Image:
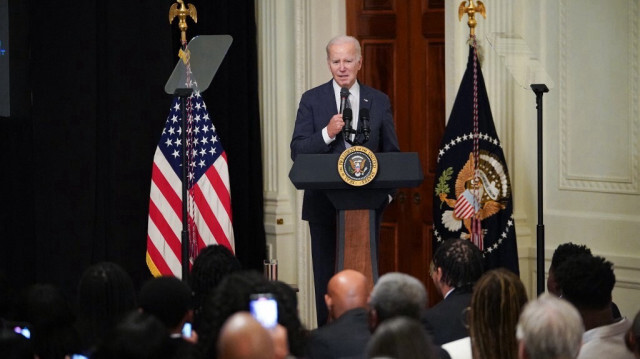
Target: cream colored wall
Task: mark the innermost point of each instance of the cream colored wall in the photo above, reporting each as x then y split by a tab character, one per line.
591	122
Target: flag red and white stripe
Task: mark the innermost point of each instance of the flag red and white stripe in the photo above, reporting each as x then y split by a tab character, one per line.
209	202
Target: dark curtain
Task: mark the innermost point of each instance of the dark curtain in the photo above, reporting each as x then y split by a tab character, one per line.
77	159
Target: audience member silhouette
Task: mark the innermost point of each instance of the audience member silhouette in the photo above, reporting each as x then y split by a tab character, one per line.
297	334
497	301
14	345
232	295
347	333
242	337
457	265
632	339
105	294
138	335
401	338
169	299
495	309
396	294
51	320
549	328
560	255
587	282
209	268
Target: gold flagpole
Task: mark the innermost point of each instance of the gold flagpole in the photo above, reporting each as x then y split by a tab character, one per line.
471	11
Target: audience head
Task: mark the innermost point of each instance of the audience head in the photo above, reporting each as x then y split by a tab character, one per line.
560	255
497	300
346	290
168	299
242	337
457	263
549	328
209	268
400	338
288	317
632	339
51	319
587	282
138	335
232	295
396	294
105	294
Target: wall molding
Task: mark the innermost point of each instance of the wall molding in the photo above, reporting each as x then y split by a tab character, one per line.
629	182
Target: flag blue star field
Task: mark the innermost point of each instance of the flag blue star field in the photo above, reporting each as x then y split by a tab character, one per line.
209	204
472	198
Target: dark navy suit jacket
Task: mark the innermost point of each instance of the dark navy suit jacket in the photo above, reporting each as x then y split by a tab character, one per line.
446	320
346	337
317	106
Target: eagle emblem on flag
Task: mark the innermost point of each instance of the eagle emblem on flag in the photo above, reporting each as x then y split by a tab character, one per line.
480	195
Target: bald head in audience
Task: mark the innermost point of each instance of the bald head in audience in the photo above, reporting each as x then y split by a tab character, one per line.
242	337
346	290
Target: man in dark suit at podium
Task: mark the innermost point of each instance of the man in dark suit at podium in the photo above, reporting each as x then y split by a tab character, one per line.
318	129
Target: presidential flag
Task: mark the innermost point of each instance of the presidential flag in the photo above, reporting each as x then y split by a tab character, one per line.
209	200
472	197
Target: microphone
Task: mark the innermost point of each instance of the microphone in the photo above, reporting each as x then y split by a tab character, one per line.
347	116
344	94
364	120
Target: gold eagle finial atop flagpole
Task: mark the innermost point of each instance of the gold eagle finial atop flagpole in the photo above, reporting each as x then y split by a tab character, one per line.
471	11
182	12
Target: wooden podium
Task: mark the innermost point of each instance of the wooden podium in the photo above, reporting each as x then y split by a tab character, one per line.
357	230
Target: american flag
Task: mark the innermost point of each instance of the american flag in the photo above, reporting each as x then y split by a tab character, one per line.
209	204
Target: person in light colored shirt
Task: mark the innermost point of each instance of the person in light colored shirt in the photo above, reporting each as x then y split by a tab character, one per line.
587	282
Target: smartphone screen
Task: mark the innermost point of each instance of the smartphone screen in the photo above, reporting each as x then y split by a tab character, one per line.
186	330
24	331
264	308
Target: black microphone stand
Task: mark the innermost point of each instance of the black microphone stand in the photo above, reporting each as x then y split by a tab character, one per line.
539	90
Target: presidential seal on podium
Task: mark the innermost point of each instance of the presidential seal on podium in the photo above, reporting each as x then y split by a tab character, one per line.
357	166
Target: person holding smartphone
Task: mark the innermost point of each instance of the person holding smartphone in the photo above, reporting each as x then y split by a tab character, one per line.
169	299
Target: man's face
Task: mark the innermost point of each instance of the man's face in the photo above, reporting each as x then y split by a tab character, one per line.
344	63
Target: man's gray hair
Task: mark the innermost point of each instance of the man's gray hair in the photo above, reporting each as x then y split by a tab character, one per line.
550	327
398	294
344	39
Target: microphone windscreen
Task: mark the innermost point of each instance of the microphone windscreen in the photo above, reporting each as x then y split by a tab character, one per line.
344	92
347	114
364	113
